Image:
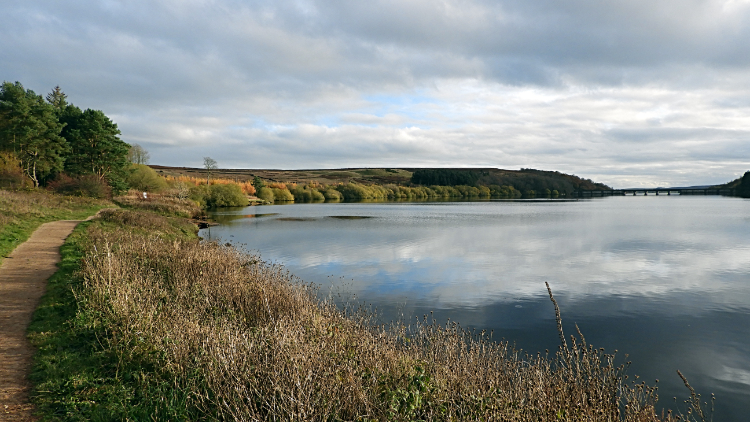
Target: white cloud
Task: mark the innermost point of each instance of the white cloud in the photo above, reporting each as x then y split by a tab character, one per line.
624	92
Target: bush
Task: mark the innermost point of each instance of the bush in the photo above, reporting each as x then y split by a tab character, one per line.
332	195
144	178
226	195
11	174
354	191
266	194
89	186
306	194
181	190
199	194
282	194
504	192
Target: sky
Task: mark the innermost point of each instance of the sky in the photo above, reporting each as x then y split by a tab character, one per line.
631	93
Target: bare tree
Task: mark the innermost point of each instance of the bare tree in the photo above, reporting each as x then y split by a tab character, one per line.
182	190
209	164
138	155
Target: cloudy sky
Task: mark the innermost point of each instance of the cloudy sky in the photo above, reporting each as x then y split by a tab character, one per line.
626	92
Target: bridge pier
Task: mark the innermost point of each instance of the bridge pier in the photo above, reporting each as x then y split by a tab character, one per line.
657	192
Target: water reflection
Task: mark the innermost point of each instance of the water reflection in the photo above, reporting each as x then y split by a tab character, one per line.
664	279
227	218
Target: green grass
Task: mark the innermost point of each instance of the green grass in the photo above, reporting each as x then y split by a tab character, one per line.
23	212
76	376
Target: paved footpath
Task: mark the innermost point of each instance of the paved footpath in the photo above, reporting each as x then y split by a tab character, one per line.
23	281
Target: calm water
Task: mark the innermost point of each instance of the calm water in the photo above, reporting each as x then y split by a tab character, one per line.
663	279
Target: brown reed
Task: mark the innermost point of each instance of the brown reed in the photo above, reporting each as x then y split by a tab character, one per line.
160	203
247	341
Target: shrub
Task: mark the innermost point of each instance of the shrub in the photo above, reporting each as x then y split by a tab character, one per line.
504	192
11	174
354	191
144	178
199	194
89	186
306	194
266	194
229	195
181	190
332	195
282	195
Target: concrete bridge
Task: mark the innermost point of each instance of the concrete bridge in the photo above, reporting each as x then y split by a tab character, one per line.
695	190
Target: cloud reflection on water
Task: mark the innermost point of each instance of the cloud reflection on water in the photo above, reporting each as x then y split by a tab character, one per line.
662	279
470	255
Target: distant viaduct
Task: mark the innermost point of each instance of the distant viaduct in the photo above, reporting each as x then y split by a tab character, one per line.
655	191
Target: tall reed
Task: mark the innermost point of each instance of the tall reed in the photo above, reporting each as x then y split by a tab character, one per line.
244	340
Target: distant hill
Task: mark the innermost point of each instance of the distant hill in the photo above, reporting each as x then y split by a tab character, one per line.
522	180
733	184
741	185
324	176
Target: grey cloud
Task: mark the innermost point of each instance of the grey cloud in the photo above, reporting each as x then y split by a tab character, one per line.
599	89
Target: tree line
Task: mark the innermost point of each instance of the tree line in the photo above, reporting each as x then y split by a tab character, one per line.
445	177
528	181
48	137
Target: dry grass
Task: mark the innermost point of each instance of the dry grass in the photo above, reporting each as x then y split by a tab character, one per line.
141	220
162	204
243	340
246	186
15	206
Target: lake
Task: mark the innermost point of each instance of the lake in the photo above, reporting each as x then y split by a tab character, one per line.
665	280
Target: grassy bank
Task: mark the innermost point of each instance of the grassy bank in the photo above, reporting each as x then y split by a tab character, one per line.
22	212
146	322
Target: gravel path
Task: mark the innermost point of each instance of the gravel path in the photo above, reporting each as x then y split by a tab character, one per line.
23	281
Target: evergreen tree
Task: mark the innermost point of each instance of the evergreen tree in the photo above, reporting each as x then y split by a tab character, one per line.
743	189
29	128
57	99
258	183
95	146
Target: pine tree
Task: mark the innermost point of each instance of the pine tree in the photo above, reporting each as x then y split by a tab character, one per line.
30	129
95	146
57	99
